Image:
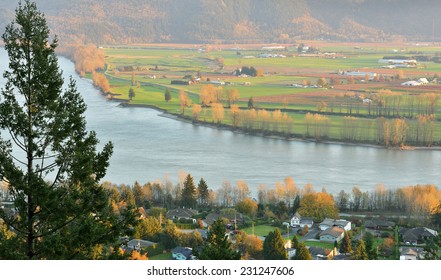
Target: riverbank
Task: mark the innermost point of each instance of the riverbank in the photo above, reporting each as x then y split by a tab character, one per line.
291	137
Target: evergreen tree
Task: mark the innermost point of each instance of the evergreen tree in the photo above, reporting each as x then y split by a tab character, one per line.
295	242
61	210
274	247
295	204
131	93
217	246
167	95
360	251
202	192
250	103
368	239
345	245
302	253
188	197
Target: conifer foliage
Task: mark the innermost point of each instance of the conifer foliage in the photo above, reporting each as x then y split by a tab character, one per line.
47	157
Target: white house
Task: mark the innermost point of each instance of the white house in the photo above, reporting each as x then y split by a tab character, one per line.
423	81
295	220
332	234
411	83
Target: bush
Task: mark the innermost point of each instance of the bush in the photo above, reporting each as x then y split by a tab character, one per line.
154	250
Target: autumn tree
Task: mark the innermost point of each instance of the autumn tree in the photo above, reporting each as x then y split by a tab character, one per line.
62	212
148	229
217	110
247	206
217	246
184	101
196	110
99	80
235	115
231	95
318	205
88	58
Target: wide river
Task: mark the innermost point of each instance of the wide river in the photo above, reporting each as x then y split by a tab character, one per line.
149	147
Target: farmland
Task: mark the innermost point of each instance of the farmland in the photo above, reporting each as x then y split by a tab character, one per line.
324	91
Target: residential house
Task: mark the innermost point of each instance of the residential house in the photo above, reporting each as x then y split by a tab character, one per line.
182	213
379	224
291	253
417	235
332	234
330	223
295	220
306	221
182	253
411	253
138	244
318	253
234	219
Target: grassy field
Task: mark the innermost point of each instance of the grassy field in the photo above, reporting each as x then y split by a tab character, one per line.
154	67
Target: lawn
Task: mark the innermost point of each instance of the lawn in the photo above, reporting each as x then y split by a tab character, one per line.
161	257
261	230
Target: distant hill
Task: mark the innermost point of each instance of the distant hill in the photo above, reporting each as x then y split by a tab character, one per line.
236	21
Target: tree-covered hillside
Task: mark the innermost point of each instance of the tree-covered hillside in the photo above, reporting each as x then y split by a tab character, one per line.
208	21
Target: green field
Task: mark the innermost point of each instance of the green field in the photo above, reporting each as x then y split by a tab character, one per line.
154	68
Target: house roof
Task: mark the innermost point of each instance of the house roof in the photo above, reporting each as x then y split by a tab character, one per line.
374	223
140	242
419	233
182	213
317	251
413	251
306	220
212	217
334	232
185	251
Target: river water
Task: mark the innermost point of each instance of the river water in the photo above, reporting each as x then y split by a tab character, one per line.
151	147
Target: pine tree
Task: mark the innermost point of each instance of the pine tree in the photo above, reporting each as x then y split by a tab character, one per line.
274	247
202	192
61	210
295	242
345	245
217	246
302	252
360	251
131	93
167	95
250	103
188	197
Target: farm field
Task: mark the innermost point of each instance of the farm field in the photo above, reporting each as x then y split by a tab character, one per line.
337	92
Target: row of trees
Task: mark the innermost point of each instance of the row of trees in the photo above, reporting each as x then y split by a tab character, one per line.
420	200
99	80
88	58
